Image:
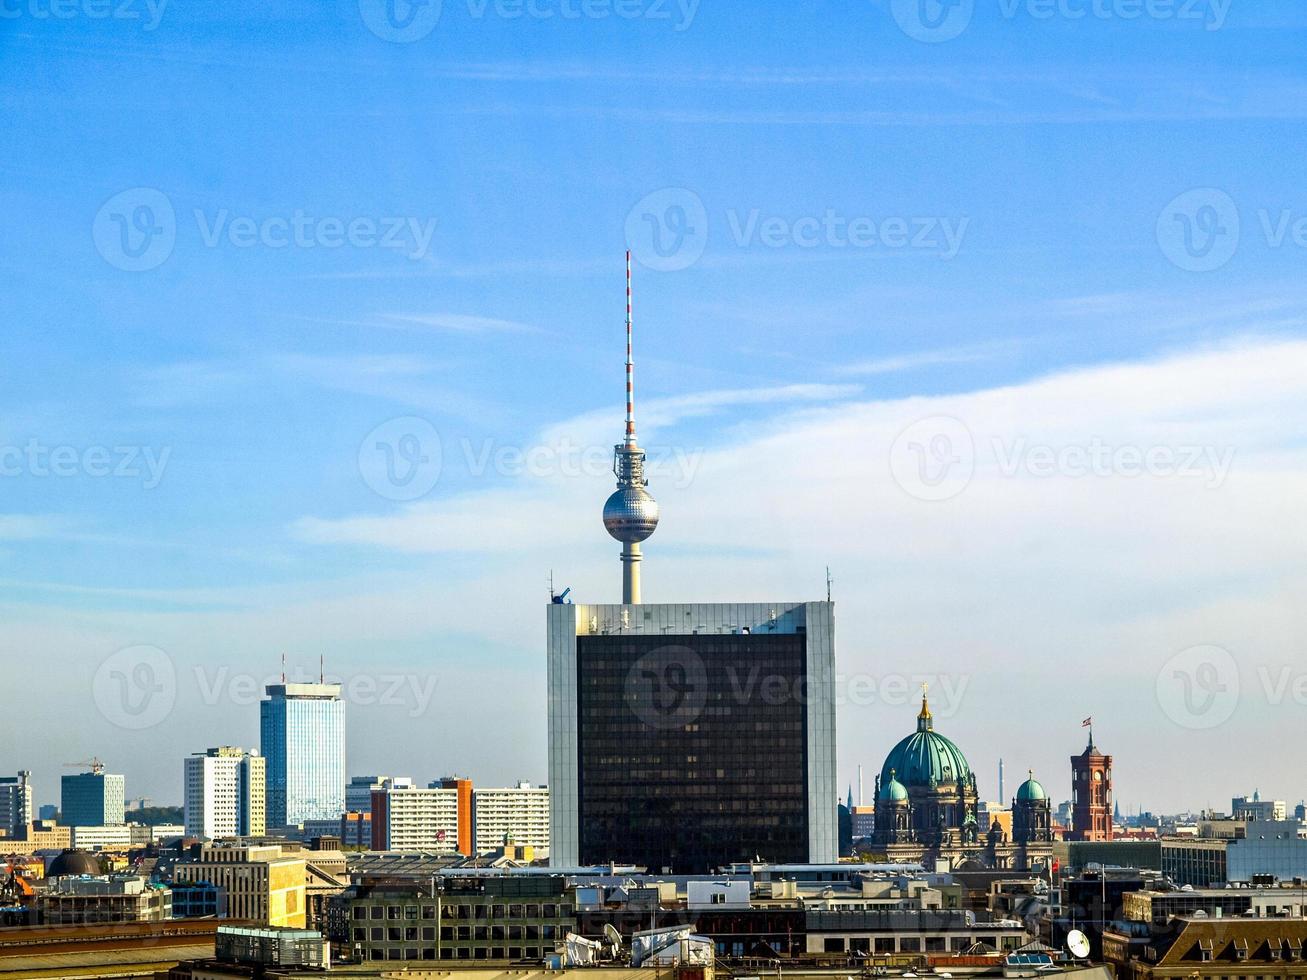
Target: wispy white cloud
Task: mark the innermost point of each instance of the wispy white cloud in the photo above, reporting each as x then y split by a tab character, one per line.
30	527
928	358
401	379
457	322
464	323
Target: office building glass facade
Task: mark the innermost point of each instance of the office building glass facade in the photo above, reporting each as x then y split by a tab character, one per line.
92	799
692	750
302	737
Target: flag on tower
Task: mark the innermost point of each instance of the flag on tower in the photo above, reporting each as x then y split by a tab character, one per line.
1087	723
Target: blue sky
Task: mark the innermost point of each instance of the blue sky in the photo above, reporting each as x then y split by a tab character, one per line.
1020	194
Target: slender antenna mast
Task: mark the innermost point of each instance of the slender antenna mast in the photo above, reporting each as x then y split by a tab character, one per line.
321	672
283	668
630	362
828	583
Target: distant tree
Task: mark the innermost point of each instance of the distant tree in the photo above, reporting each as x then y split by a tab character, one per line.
153	815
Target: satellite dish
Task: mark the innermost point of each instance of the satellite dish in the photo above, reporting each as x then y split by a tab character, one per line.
1078	943
613	935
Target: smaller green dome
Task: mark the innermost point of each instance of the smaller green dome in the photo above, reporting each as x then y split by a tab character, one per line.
1031	791
893	791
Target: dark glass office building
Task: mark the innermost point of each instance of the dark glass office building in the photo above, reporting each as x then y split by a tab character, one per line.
688	737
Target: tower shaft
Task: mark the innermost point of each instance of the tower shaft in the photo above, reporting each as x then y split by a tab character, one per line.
631	559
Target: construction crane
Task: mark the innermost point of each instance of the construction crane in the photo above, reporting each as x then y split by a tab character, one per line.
96	766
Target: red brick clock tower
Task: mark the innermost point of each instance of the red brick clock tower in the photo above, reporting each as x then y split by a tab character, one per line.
1091	793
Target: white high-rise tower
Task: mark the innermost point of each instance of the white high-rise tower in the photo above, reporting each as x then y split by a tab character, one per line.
631	513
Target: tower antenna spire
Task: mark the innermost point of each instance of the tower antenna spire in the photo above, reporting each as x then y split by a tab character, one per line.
631	513
630	363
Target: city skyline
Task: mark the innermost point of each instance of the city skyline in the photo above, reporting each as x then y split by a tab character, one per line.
958	339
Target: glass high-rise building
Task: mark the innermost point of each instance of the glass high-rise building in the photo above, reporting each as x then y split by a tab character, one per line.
92	799
16	802
302	739
688	737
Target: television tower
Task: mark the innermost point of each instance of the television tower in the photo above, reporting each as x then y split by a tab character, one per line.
630	513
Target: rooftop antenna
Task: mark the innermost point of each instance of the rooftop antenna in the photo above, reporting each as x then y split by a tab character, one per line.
283	668
630	363
321	672
828	583
630	513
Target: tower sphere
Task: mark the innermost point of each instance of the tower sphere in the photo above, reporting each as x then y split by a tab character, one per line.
630	514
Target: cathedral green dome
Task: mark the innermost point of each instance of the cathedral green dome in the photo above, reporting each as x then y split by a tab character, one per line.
893	791
925	757
1031	791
